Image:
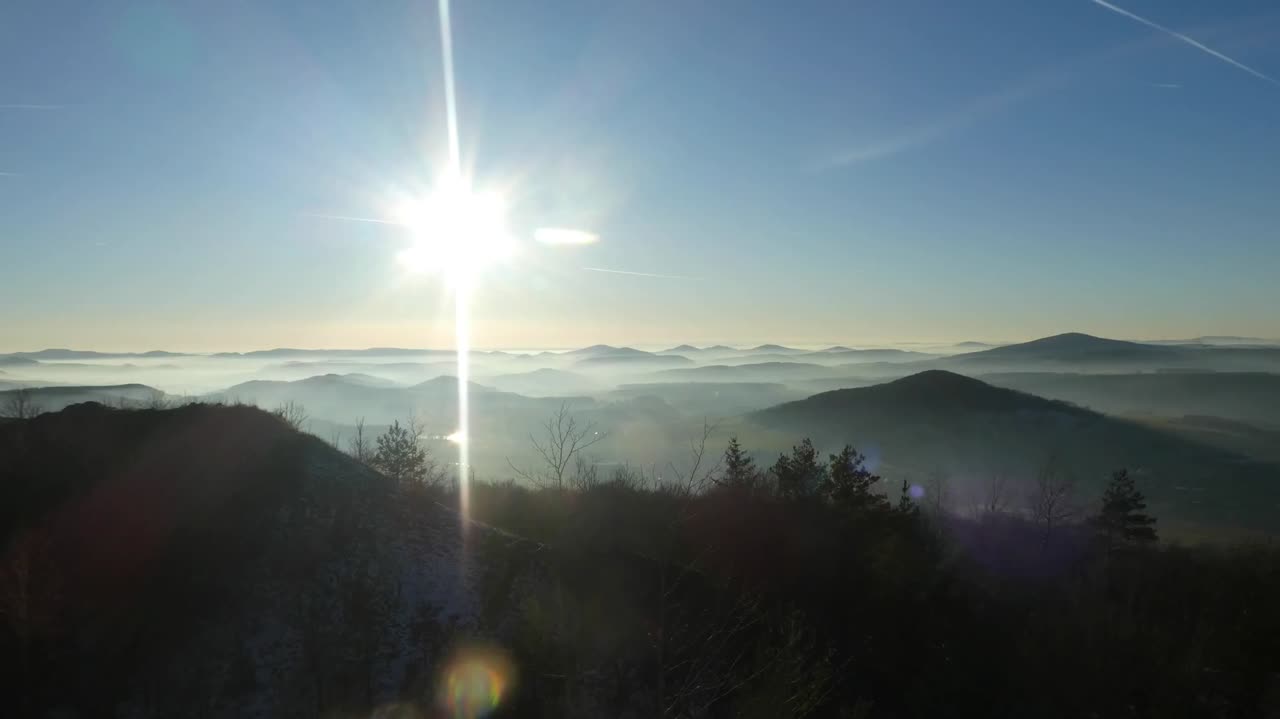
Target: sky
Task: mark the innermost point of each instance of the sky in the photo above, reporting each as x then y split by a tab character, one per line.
817	172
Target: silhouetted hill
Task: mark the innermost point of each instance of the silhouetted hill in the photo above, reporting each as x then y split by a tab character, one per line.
595	351
931	391
16	361
1089	353
938	421
54	398
1073	347
212	552
773	349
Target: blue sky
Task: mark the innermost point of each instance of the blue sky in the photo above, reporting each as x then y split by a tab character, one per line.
853	172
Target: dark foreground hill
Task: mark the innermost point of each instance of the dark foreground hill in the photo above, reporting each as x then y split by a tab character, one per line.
208	561
938	422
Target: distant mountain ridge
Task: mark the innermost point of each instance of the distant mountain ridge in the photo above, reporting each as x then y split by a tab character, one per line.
68	354
933	390
939	421
1095	353
1072	346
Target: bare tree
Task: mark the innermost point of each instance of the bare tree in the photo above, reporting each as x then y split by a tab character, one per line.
563	439
1052	499
701	471
995	499
938	491
293	414
19	404
158	400
360	448
586	475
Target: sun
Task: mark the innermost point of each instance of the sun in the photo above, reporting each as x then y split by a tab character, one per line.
457	231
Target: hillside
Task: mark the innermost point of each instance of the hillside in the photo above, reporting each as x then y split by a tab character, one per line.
941	422
1096	354
158	562
544	382
212	552
1076	346
342	398
56	397
1248	396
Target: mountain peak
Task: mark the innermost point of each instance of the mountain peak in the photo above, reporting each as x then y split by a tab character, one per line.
1072	347
932	391
936	379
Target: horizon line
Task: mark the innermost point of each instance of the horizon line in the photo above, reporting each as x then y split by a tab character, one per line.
702	345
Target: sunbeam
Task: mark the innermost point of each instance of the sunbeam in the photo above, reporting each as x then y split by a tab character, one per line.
461	320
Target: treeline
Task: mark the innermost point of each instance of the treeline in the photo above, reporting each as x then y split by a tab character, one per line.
820	593
280	578
807	587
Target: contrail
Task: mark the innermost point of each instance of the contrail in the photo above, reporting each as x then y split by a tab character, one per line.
10	174
1193	43
28	106
641	274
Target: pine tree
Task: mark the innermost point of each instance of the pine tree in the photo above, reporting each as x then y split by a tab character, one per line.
907	505
400	457
739	468
800	474
1123	518
849	484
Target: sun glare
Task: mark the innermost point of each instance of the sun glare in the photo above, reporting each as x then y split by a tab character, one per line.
457	231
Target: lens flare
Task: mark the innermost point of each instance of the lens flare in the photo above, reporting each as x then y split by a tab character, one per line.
475	682
564	236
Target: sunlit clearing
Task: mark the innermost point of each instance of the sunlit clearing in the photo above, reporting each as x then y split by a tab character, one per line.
457	437
457	232
564	236
476	681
